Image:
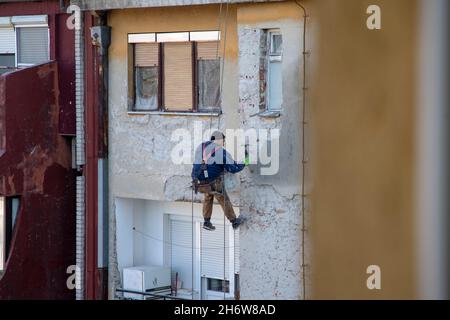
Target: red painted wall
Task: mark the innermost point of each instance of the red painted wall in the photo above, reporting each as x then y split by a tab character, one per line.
62	42
36	164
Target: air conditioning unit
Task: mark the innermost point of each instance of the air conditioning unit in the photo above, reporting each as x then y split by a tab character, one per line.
143	279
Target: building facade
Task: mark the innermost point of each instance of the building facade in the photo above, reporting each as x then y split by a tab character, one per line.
37	128
102	104
175	71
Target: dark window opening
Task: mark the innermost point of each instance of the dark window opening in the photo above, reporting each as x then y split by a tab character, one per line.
218	285
9	209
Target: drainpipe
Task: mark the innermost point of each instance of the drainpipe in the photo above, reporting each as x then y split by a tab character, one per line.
101	38
304	162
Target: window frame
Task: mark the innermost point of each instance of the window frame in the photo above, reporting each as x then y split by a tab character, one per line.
160	95
272	58
193	37
20	26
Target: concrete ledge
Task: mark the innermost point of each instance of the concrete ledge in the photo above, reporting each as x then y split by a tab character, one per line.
124	4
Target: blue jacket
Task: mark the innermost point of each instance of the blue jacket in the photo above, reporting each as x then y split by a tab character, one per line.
218	160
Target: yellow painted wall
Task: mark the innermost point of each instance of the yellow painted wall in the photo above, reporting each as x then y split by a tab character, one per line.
362	131
254	13
171	19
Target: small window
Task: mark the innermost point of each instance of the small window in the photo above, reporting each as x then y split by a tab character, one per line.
2	233
218	285
274	88
171	74
9	208
32	45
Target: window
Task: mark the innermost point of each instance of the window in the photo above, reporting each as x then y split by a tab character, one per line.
2	233
274	71
146	71
174	72
218	285
32	45
9	208
24	41
208	76
270	72
178	75
7	46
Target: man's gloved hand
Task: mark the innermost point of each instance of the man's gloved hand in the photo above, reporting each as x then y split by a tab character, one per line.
247	158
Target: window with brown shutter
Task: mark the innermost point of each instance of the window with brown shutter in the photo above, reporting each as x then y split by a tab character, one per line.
208	76
172	75
178	75
146	63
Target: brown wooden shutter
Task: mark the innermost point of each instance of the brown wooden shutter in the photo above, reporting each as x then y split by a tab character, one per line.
146	54
208	50
178	92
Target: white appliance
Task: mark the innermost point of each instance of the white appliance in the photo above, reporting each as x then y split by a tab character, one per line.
144	278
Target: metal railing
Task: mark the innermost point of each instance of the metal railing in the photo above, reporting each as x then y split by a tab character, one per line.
152	295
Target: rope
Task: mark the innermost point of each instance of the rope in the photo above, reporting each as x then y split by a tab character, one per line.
222	68
193	253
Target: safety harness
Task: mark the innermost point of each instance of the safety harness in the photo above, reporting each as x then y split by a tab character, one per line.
205	186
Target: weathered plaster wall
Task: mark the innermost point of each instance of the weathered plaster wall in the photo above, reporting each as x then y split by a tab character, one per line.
140	145
270	240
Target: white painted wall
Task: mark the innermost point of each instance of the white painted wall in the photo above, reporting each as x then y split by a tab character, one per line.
149	244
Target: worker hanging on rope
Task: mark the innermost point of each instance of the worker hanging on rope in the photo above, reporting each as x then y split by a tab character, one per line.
211	161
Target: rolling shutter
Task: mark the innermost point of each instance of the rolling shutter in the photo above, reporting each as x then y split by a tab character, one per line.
32	45
146	54
7	41
178	95
213	253
181	251
207	50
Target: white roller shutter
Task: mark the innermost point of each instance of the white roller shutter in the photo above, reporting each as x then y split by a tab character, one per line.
7	41
181	251
215	254
32	45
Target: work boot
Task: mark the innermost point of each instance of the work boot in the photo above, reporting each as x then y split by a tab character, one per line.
236	223
207	225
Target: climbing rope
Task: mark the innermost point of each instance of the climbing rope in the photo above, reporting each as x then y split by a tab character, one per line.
221	70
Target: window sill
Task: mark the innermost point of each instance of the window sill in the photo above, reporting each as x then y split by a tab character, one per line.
175	113
268	114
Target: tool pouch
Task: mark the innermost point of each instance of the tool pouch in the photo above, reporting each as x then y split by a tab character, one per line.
203	187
